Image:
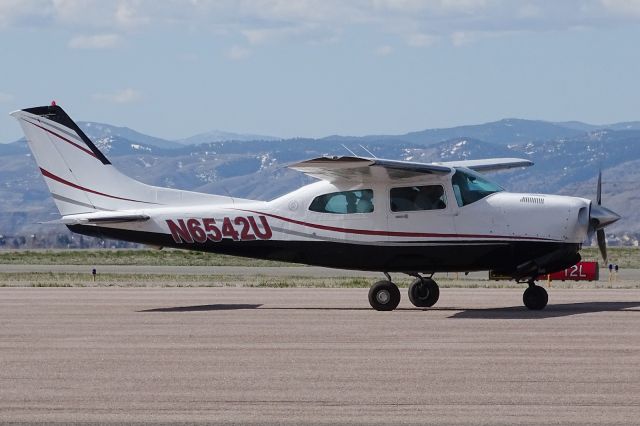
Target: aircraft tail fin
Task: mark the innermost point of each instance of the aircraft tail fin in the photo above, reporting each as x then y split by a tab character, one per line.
79	176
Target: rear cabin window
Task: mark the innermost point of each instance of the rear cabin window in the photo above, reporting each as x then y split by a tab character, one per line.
345	202
412	198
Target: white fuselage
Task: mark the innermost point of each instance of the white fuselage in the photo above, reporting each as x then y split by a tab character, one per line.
289	230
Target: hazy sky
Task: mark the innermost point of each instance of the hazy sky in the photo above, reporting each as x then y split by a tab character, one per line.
319	67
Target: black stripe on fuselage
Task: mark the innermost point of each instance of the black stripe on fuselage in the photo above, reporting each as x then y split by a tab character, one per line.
452	257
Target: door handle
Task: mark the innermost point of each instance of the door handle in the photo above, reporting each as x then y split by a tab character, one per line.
402	216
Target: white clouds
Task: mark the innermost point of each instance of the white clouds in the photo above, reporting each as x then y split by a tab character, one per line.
419	23
307	32
129	16
629	8
529	10
257	36
97	41
6	97
238	52
90	15
460	38
437	7
421	40
24	13
123	96
384	50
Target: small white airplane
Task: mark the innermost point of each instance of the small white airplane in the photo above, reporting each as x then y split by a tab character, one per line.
364	214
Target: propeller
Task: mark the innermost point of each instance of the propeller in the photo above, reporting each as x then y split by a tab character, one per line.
599	188
599	217
602	244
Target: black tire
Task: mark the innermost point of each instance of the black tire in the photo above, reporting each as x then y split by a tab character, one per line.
384	296
535	298
424	292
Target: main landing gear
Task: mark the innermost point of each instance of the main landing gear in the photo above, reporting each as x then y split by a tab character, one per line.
385	295
424	292
535	297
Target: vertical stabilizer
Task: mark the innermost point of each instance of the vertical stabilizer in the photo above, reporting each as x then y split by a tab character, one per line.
81	179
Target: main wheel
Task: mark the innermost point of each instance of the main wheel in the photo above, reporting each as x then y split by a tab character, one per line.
535	297
424	292
384	296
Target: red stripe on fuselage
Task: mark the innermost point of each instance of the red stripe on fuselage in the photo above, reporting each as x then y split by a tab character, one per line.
64	139
394	233
82	188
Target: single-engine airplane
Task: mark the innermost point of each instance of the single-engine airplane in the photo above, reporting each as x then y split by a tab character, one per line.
364	214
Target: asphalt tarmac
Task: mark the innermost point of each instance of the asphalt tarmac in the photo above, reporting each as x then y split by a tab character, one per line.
247	355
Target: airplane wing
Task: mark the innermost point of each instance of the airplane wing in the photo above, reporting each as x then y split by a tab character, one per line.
360	168
489	164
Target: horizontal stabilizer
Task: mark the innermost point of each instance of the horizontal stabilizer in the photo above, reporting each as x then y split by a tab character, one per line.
99	218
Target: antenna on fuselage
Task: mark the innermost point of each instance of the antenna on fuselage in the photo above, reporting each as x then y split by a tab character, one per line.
352	153
369	152
228	194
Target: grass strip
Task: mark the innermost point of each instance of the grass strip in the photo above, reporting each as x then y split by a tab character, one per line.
129	257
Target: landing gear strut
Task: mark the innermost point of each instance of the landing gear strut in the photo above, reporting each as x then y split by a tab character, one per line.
423	292
535	297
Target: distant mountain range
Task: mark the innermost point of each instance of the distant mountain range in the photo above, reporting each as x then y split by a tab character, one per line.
221	136
567	156
104	134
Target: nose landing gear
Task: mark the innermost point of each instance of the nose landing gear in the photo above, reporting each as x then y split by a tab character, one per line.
535	297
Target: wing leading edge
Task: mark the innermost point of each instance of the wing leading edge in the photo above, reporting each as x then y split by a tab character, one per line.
489	164
361	168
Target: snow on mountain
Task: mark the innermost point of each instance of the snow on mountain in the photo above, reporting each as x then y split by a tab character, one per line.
105	132
222	136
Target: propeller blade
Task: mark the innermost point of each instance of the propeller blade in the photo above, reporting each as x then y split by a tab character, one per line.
602	244
599	190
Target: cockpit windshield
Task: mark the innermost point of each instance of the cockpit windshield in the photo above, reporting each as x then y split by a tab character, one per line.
469	186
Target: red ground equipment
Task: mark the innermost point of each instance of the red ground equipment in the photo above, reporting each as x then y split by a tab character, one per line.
581	271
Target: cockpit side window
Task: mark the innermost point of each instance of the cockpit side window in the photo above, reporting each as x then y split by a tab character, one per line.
469	187
345	202
412	198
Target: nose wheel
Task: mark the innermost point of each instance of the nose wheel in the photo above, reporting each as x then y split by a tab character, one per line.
384	296
535	297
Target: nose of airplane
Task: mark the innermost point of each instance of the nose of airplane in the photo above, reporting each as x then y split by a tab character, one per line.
600	217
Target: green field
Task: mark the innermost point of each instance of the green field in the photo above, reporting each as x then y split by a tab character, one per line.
129	257
625	257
